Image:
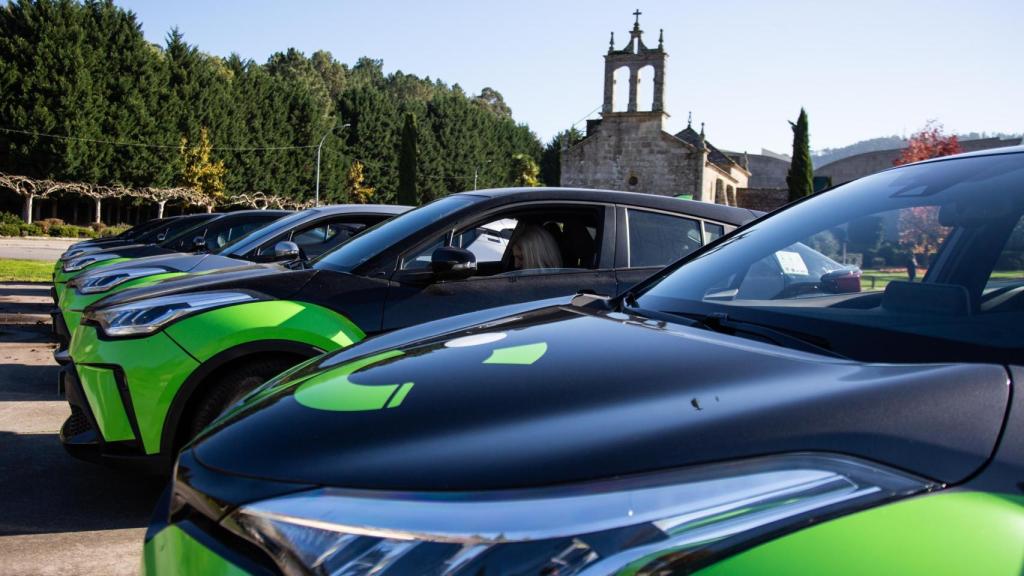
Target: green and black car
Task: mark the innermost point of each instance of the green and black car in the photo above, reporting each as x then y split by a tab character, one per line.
205	234
722	418
151	366
299	236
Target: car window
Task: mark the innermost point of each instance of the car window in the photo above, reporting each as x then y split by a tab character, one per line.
657	239
713	232
217	238
929	253
325	236
523	239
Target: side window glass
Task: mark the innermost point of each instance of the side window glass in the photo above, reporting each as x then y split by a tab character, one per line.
713	232
657	239
1004	290
547	239
230	234
325	237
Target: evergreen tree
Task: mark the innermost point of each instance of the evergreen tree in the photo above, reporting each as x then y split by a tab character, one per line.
551	157
800	179
525	171
407	163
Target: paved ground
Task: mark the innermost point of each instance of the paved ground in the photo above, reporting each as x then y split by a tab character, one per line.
57	515
35	248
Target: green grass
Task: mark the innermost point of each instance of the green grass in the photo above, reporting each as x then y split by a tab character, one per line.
25	271
882	277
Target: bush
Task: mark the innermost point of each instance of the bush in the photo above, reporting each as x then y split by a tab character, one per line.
8	218
47	223
70	231
7	229
30	230
113	230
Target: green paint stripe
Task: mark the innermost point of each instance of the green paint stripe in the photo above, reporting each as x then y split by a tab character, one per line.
332	390
521	355
403	391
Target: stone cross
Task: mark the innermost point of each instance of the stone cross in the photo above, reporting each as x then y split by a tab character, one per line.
637	14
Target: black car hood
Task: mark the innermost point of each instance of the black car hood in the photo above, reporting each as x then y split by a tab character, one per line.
565	394
270	279
180	262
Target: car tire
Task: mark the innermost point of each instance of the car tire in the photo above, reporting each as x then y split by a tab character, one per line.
229	387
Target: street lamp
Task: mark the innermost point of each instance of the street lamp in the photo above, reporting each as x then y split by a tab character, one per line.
316	199
476	172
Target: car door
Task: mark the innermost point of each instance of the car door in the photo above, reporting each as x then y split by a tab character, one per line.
582	234
649	240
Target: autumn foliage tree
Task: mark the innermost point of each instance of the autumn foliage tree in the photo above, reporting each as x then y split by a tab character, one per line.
356	190
920	230
199	171
929	142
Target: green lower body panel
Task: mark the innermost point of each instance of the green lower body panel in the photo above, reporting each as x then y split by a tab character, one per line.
172	551
954	532
154	369
101	391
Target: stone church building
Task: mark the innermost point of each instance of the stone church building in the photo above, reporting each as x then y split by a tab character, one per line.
628	149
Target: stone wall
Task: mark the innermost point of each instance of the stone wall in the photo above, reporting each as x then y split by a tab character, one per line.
630	151
764	199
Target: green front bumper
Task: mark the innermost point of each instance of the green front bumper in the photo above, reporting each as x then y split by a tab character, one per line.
954	532
174	551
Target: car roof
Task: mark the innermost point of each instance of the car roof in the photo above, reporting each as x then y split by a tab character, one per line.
706	210
390	209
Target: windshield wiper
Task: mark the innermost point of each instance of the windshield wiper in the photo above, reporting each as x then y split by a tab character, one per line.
721	322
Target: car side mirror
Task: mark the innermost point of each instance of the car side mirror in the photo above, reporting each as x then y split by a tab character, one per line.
199	244
286	250
451	263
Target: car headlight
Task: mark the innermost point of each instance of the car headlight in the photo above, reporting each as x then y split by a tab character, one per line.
663	522
101	281
77	264
152	314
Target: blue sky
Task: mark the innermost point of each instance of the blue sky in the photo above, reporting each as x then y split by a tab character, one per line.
862	68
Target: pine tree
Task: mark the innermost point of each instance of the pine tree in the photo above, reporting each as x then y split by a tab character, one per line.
407	163
800	179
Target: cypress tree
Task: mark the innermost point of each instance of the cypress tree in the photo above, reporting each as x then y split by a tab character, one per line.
800	179
407	163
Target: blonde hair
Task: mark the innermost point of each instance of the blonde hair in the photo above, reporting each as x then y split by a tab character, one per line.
538	248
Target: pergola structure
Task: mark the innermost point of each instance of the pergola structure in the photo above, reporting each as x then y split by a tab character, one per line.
30	189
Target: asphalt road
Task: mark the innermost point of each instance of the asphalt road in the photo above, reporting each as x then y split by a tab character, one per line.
35	248
57	515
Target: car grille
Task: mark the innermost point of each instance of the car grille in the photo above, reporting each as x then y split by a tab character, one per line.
77	423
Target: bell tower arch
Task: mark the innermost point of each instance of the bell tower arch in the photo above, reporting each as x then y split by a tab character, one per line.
635	56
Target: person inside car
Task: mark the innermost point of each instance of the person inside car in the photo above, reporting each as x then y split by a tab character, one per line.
534	247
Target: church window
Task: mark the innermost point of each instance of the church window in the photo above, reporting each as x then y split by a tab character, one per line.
620	99
645	89
633	180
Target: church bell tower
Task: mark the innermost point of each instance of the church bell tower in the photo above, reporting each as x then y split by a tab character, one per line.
635	56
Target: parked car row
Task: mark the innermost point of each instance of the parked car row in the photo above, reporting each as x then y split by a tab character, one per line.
554	381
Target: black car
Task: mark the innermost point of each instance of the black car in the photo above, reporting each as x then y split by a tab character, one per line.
218	335
717	416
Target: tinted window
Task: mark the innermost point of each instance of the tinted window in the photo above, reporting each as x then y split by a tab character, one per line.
657	239
268	231
361	248
713	232
918	263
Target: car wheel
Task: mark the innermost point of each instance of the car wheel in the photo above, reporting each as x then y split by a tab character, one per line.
229	388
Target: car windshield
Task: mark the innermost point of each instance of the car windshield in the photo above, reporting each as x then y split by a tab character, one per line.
368	244
244	244
919	263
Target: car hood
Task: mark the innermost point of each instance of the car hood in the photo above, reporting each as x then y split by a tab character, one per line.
564	393
132	251
179	262
272	280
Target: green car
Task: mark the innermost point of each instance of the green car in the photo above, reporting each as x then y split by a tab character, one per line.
744	411
151	366
209	234
307	235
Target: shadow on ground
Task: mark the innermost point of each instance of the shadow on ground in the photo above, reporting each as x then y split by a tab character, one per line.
46	490
24	289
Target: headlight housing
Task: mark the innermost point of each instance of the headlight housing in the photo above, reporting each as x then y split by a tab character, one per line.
671	521
77	264
75	251
101	281
147	316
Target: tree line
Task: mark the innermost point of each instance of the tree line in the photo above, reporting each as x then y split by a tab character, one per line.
84	97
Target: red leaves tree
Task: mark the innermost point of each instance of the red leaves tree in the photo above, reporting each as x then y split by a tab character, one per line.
920	231
929	142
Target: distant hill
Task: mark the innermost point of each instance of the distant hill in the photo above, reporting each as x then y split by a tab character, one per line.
827	155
